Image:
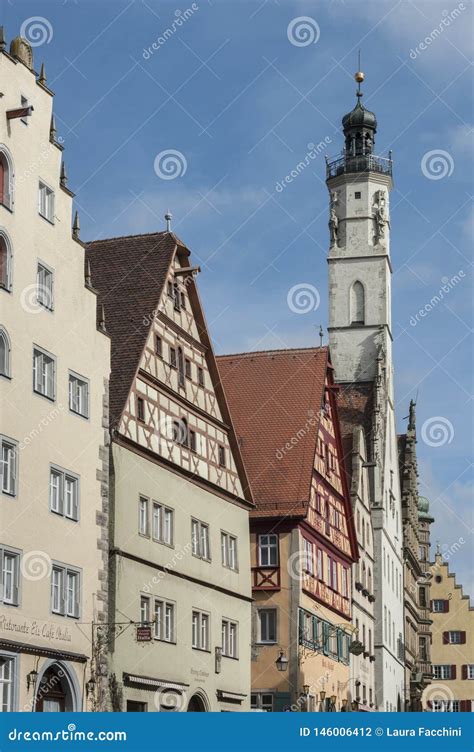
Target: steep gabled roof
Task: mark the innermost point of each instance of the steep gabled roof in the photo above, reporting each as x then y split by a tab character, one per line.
275	399
129	273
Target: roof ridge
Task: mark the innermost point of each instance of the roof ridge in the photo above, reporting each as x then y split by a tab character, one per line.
125	237
274	352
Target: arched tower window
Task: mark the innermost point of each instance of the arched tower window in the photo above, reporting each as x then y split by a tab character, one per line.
4	353
5	262
6	179
357	303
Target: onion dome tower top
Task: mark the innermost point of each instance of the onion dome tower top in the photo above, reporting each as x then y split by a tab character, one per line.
359	125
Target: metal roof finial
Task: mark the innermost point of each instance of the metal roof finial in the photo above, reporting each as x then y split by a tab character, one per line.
168	218
359	77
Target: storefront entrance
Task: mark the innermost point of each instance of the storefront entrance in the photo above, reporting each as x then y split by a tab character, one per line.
55	692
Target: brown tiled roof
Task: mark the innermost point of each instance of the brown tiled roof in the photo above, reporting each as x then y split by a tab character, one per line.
128	273
272	397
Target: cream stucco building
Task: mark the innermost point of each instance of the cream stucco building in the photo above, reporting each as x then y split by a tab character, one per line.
180	562
54	369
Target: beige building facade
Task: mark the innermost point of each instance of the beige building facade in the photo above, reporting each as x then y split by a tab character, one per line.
180	591
54	369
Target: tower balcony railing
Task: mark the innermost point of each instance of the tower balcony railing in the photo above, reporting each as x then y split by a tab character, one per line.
360	163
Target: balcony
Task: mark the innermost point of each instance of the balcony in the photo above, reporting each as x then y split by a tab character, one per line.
266	578
361	163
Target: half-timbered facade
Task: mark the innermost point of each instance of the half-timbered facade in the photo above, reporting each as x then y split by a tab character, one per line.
180	564
302	535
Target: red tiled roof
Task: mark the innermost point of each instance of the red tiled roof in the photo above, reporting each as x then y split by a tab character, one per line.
129	273
272	395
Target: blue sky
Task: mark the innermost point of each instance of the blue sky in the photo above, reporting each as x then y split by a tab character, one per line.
241	102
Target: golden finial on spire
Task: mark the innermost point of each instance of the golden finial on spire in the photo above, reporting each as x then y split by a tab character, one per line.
359	77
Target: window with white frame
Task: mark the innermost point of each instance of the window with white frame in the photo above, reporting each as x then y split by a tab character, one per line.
5	262
229	550
10	576
200	540
344	582
7	683
200	630
262	701
268	550
78	395
44	373
6	179
143	523
64	493
8	466
145	616
308	557
164	620
46	202
442	671
65	591
470	671
162	524
267	625
229	638
446	706
455	637
439	606
44	286
319	562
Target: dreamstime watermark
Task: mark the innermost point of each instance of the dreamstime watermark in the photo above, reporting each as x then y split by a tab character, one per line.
437	164
300	434
167	700
181	17
445	289
37	30
36	298
311	154
34	167
437	431
436	693
170	164
303	298
38	430
448	17
303	31
36	565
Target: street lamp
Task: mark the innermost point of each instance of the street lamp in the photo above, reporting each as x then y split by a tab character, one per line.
31	679
354	705
281	662
90	686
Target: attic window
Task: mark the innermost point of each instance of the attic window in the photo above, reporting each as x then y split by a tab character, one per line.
141	409
176	296
221	456
170	289
158	346
200	376
172	357
187	368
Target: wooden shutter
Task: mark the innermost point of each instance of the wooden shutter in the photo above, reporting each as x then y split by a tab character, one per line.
453	671
16	580
463	638
465	706
445	638
464	671
431	606
446	606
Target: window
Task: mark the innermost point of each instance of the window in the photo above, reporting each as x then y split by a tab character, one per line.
78	395
144	610
46	202
141	409
164	621
192	440
10	577
200	540
8	467
332	573
5	262
162	528
319	562
4	353
222	462
308	557
423	647
6	180
357	303
229	551
44	373
422	597
64	493
65	591
180	367
470	671
268	550
357	194
455	637
229	638
200	630
44	287
262	701
200	376
173	362
170	289
143	515
158	346
267	625
187	368
446	706
441	671
176	296
440	606
344	581
7	677
135	706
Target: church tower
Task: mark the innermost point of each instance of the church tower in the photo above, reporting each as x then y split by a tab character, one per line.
359	184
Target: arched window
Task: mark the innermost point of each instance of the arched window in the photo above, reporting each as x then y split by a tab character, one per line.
6	179
5	262
4	353
357	303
